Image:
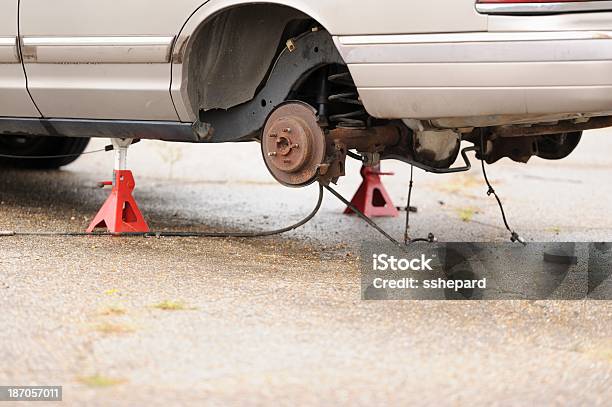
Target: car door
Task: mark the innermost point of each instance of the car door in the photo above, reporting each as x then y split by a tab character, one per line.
101	59
14	98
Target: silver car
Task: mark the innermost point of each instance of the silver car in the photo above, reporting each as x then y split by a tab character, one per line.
314	81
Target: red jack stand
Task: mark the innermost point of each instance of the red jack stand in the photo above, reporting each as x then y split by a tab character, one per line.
372	198
120	213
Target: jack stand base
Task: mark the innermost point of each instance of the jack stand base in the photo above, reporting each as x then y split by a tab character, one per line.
120	213
372	198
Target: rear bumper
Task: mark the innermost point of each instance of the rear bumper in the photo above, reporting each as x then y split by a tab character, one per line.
470	75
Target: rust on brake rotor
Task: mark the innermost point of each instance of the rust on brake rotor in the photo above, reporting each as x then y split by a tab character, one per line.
293	144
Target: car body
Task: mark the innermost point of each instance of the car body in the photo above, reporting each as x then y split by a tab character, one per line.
188	70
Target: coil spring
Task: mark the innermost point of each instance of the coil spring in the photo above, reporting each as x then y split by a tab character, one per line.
355	118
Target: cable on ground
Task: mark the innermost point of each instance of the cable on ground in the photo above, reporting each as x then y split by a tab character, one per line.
514	237
181	233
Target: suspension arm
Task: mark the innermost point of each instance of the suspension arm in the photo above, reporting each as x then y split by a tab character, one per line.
372	140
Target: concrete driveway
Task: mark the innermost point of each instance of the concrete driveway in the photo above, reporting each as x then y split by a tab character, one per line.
129	321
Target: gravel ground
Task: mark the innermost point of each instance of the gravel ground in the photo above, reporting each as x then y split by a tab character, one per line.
129	321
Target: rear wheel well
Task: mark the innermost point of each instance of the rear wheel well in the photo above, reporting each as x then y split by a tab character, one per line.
233	52
236	82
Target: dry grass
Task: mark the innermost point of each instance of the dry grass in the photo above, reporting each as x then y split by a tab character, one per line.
466	214
168	305
601	350
113	310
100	381
460	183
109	328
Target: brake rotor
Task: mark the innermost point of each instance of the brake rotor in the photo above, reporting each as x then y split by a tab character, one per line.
293	144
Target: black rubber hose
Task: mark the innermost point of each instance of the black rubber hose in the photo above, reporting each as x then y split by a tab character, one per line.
183	234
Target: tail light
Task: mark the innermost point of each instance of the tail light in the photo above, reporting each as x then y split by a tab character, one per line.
541	6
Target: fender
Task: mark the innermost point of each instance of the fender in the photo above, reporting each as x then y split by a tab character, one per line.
338	18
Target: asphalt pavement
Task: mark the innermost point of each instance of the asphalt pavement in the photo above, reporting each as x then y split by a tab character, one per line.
129	321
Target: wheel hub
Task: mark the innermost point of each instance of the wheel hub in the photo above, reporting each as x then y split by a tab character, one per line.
293	144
